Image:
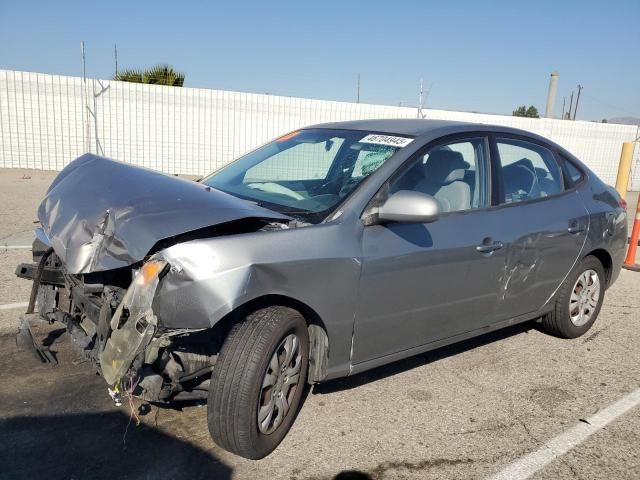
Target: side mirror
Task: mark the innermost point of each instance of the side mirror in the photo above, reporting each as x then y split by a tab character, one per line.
407	206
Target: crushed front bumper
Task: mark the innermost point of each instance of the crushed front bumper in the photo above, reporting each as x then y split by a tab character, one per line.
119	332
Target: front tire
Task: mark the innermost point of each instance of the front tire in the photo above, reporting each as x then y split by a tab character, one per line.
578	301
258	382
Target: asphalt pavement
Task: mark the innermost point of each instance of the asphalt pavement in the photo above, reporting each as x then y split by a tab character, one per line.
490	406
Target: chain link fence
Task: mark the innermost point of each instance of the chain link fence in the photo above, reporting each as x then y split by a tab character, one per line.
48	120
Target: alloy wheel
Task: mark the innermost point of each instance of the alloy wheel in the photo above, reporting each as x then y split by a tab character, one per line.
279	384
584	297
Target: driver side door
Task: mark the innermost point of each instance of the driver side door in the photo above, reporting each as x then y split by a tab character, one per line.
421	283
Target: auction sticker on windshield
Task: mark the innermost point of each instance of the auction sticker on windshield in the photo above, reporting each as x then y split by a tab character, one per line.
389	140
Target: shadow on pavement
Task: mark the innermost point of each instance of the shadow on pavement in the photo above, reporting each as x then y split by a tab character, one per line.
410	363
90	445
352	475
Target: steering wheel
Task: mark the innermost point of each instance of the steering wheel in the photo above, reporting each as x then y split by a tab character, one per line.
534	184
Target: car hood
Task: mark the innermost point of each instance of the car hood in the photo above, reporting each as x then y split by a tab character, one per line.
100	214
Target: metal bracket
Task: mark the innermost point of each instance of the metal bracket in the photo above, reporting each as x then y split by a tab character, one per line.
25	340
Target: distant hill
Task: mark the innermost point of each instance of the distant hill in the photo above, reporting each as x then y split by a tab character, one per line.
625	120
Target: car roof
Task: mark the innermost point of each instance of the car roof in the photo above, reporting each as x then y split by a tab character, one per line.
418	127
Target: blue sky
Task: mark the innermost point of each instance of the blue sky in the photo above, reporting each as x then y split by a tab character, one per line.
487	56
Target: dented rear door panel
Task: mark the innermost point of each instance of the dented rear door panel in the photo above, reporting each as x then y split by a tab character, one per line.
543	239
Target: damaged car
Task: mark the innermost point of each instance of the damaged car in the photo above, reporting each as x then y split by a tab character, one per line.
329	251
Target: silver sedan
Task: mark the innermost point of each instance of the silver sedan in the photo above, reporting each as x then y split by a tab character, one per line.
331	250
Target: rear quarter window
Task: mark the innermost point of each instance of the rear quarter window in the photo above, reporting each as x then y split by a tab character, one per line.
573	174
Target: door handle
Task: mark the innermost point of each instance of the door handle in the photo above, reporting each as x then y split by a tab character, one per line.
576	228
489	247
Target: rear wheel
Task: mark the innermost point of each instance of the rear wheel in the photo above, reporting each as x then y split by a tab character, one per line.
258	382
579	300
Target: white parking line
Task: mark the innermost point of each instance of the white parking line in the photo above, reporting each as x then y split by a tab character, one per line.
535	461
15	247
13	306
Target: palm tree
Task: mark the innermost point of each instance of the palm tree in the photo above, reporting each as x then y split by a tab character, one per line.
161	74
129	75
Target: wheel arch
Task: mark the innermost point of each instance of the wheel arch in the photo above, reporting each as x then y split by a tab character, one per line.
318	336
605	259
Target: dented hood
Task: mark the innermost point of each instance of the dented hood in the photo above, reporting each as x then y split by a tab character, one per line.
100	214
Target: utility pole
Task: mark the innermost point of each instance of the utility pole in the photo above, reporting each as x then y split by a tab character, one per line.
115	56
420	101
85	110
580	87
358	90
570	106
84	65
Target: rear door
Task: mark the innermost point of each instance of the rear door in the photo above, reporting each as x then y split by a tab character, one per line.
543	224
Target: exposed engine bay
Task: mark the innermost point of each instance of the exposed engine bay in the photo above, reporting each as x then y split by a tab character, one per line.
110	320
97	267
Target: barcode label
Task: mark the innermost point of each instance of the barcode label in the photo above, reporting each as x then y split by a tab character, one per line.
389	140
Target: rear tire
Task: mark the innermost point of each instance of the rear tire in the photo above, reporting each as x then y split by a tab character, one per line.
251	377
578	301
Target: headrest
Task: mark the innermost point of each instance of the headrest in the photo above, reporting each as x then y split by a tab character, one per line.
525	162
445	166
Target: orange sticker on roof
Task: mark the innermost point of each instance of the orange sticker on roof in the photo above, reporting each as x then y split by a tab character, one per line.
288	136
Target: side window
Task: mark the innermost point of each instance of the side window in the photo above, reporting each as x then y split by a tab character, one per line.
305	161
453	173
529	170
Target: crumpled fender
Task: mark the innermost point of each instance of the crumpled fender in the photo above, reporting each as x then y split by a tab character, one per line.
210	278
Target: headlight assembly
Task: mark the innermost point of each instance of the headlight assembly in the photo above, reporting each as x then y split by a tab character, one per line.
133	323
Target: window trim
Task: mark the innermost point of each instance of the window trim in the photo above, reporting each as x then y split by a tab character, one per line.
498	178
459	137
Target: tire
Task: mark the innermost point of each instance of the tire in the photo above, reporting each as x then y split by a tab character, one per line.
236	394
560	321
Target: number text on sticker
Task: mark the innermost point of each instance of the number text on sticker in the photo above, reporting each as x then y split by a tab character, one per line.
390	140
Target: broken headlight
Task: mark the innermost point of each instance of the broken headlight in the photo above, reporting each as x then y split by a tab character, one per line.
133	323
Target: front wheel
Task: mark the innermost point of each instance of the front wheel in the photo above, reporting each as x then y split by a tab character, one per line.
578	301
258	382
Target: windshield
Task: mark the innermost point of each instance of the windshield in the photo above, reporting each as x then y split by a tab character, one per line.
306	174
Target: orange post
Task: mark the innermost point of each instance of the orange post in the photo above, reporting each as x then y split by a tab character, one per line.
630	261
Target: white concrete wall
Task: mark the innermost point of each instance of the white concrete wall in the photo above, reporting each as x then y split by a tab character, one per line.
44	125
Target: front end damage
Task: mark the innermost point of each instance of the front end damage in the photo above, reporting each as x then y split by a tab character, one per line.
114	326
97	263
